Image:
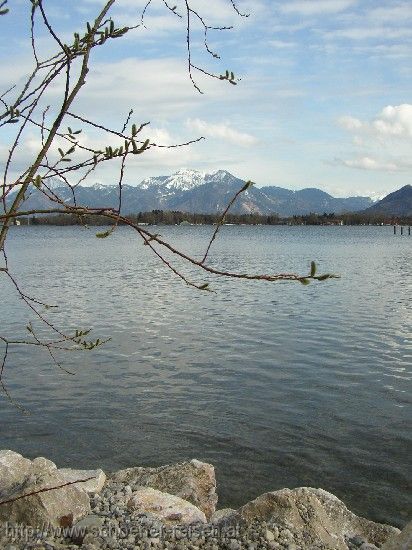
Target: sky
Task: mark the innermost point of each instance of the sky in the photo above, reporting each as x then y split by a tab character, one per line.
324	97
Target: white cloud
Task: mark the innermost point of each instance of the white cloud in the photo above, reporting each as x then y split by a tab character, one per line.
221	131
217	12
388	51
370	32
152	87
316	7
383	143
282	44
395	121
154	161
350	123
368	163
396	13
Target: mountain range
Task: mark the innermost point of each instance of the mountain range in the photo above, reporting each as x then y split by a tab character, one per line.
193	191
398	203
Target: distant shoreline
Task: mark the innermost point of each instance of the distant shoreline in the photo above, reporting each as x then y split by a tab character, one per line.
160	217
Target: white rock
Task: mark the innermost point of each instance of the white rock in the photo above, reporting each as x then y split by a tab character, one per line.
269	535
316	515
169	509
94	485
193	481
50	503
13	468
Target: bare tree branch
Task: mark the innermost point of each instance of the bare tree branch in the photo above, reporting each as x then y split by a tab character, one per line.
73	162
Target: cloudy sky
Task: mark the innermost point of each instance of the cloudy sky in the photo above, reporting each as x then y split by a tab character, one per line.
324	97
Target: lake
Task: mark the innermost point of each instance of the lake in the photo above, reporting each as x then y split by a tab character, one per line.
277	384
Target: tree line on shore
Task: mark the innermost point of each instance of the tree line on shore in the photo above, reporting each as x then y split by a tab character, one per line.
166	217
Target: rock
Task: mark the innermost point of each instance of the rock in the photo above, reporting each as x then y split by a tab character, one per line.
284	506
234	545
275	531
347	522
90	542
13	468
94	485
356	540
193	481
317	517
41	464
20	476
269	535
225	517
169	509
91	524
401	541
368	546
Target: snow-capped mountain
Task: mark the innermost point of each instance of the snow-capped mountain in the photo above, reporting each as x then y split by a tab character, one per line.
182	180
193	191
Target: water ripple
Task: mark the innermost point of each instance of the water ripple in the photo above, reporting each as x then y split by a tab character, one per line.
279	384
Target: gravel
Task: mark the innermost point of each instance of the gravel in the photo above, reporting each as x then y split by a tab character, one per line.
112	525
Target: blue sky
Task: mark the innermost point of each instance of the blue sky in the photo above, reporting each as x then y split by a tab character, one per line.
324	98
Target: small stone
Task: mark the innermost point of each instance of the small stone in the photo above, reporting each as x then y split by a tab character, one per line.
368	546
286	534
269	535
357	540
89	525
234	545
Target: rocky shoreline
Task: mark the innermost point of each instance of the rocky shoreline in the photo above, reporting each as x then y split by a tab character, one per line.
44	507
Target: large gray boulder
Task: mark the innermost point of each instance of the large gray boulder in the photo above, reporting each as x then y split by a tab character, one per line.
316	517
50	503
13	468
169	509
193	481
348	522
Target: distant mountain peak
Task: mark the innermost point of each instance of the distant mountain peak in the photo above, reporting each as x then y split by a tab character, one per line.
183	180
220	174
99	186
210	192
398	203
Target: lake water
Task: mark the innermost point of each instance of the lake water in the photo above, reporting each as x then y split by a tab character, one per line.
277	385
